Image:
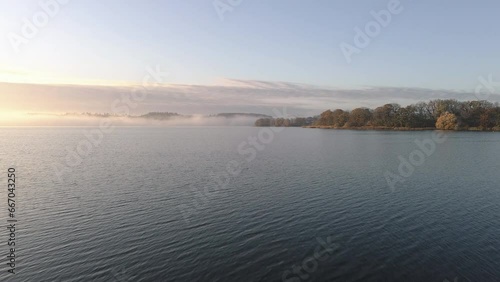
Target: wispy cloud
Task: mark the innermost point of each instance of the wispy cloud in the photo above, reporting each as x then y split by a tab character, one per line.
228	95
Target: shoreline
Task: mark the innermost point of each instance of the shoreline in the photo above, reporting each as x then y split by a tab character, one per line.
382	128
376	128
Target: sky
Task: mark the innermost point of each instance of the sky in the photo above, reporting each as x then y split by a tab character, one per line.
251	57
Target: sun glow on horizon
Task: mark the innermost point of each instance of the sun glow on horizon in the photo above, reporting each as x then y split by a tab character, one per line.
8	118
30	77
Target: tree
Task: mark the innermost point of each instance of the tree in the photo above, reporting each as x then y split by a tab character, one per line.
299	121
263	122
279	122
340	117
489	119
422	115
359	117
386	115
442	114
326	118
447	121
471	112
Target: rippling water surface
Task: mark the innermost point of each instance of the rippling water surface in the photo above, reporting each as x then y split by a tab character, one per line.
158	204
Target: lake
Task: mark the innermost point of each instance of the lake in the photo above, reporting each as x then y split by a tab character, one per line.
252	204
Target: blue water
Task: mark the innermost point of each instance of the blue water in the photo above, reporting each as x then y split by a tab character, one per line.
144	205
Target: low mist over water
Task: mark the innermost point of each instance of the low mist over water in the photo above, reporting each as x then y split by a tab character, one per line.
41	119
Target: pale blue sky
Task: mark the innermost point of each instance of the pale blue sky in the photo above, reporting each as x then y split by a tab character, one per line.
430	45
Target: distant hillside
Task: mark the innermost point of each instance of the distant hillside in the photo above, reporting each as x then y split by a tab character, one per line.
160	115
167	116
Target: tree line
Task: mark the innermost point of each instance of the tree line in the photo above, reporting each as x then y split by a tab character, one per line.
441	114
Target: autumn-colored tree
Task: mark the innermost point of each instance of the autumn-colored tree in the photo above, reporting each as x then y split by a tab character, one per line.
359	117
340	117
447	121
326	118
442	114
